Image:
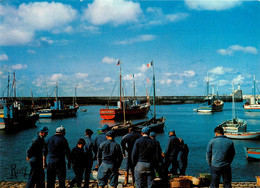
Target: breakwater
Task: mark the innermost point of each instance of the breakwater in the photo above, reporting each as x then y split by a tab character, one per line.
112	101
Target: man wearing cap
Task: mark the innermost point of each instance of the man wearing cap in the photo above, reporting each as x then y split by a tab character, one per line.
88	149
127	144
35	157
158	166
56	150
220	154
171	153
100	138
109	158
144	158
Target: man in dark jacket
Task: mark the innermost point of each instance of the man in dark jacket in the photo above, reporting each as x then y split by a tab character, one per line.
88	156
100	138
56	150
127	144
158	166
220	154
183	157
35	157
144	157
171	153
109	158
77	159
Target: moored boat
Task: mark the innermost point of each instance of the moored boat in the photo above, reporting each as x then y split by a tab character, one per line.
235	124
155	124
252	153
243	135
252	104
126	109
17	117
59	110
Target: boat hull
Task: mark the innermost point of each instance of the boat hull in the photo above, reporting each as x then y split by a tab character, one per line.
51	113
217	106
155	126
118	114
252	153
243	135
21	122
252	107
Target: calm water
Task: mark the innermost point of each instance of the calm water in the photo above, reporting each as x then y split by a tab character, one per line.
195	129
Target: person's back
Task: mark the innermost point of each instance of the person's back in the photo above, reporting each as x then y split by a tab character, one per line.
220	151
219	155
57	147
183	157
110	152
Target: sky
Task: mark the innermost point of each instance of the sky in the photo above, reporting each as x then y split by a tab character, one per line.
76	44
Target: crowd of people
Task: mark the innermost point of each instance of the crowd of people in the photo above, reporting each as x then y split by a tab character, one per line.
144	154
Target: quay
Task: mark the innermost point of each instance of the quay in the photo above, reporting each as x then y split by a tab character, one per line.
93	184
112	101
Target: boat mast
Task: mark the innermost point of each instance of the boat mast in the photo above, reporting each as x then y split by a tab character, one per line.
120	78
14	86
56	92
207	84
254	91
233	102
153	91
8	86
134	90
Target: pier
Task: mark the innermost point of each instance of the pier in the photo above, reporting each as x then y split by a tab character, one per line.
112	101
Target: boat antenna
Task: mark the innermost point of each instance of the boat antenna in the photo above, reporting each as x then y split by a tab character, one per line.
8	86
207	84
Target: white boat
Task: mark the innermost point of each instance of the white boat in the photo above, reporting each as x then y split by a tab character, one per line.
252	104
243	135
235	124
204	109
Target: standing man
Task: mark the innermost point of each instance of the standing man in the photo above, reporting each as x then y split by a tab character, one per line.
159	166
127	144
35	157
88	156
109	158
144	158
183	157
77	159
100	138
220	154
171	153
56	150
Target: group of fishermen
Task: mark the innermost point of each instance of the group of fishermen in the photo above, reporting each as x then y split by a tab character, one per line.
144	158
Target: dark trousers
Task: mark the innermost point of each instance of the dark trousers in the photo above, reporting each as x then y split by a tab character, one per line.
88	170
131	167
56	170
36	177
78	171
170	161
217	172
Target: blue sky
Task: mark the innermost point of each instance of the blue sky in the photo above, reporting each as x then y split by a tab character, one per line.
78	44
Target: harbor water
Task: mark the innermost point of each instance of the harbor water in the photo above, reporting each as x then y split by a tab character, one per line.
195	129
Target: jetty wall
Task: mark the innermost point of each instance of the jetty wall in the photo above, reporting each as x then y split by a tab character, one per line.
112	101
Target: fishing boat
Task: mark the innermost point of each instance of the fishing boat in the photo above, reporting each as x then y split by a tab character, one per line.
59	110
252	153
212	102
235	124
133	109
252	104
155	124
243	135
15	114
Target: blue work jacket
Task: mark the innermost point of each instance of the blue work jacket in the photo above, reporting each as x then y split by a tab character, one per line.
57	148
35	150
172	147
220	151
145	150
110	152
